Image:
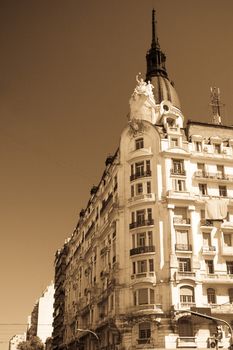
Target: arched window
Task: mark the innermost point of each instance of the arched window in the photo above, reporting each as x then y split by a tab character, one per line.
187	295
230	293
211	296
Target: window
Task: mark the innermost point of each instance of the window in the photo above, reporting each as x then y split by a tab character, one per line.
201	169
132	191
227	239
139	168
211	296
179	185
144	331
151	265
144	296
174	142
206	239
230	293
198	146
182	240
209	266
150	238
217	148
140	216
139	189
148	166
220	171
222	191
184	264
203	189
178	167
149	214
139	143
141	265
148	187
141	239
186	294
229	267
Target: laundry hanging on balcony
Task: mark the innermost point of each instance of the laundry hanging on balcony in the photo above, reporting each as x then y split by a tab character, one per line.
216	209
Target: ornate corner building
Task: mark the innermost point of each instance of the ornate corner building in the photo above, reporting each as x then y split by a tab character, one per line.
155	240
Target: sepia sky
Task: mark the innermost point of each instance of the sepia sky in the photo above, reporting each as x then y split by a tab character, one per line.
67	70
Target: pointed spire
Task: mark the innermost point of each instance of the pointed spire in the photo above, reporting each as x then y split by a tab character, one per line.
155	57
216	105
154	36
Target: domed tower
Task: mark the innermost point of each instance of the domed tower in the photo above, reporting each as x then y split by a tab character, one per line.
157	73
166	98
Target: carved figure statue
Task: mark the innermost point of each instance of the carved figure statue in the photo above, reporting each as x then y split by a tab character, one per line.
142	102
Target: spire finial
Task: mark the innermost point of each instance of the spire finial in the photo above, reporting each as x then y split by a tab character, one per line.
216	105
154	36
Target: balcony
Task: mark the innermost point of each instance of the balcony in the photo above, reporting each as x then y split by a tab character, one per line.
140	175
208	250
141	223
186	342
157	308
106	202
217	278
206	222
144	276
184	275
183	247
201	174
142	250
178	171
222	309
179	220
142	197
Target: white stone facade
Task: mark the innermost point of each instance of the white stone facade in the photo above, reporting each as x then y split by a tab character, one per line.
45	314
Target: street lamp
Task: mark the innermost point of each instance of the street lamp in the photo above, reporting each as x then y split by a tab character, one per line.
90	331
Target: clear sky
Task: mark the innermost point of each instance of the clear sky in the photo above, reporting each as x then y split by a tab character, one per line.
67	70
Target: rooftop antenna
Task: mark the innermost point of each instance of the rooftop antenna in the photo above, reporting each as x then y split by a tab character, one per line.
216	105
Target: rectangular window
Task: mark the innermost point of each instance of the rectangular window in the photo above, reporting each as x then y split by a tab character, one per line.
145	330
178	167
182	240
220	171
139	169
229	267
141	239
206	239
148	187
151	265
198	146
148	166
143	296
133	241
133	217
140	216
134	268
222	191
179	185
174	142
132	191
209	266
149	214
139	143
201	169
150	238
217	148
184	264
203	189
132	169
139	189
141	265
227	239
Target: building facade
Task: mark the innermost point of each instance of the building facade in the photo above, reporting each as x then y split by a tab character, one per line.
155	240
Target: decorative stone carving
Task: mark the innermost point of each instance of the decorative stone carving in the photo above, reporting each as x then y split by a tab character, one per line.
142	102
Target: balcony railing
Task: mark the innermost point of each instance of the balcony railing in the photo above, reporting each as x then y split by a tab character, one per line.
106	202
140	174
216	176
141	223
206	222
142	250
208	249
183	247
177	220
178	172
186	342
186	274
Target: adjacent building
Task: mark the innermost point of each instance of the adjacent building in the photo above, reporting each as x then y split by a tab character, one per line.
155	239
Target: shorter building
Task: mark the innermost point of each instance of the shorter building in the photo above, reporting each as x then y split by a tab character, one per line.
15	340
41	320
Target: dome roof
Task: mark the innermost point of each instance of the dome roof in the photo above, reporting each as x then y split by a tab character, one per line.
164	90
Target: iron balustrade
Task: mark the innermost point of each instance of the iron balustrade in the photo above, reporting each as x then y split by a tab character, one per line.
183	247
141	223
178	172
142	250
140	174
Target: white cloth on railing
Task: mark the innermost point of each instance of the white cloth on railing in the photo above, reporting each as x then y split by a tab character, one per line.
216	209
